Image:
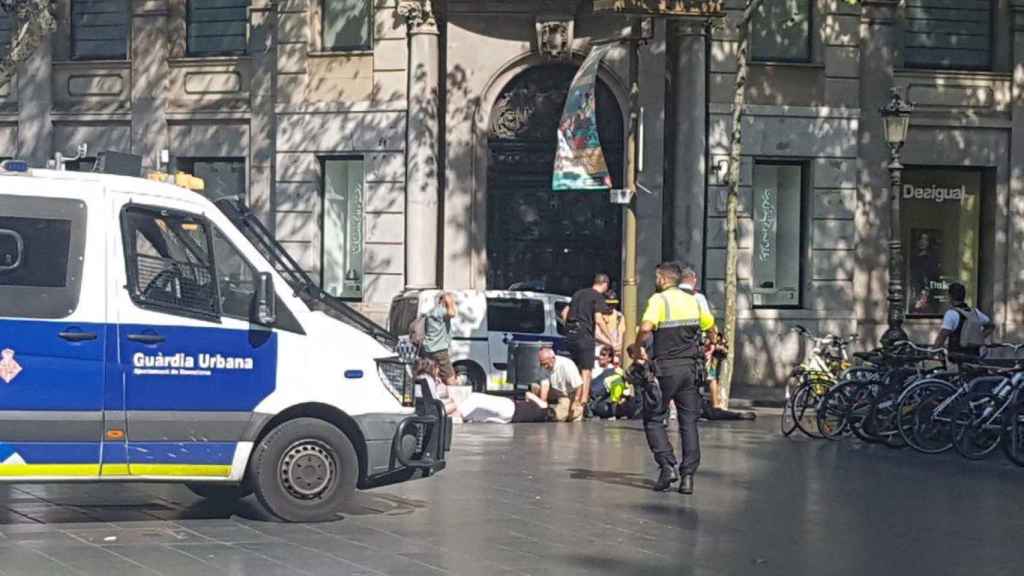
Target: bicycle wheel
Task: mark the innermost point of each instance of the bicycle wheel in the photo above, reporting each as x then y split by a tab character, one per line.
860	424
788	425
1013	443
834	410
915	416
975	434
805	410
883	419
933	423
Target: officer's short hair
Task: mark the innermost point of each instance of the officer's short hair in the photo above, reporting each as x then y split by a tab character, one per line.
957	292
601	279
671	271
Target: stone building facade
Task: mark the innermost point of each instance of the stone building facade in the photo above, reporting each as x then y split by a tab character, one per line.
396	144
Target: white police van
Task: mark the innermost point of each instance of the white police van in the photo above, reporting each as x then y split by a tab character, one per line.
147	334
486	325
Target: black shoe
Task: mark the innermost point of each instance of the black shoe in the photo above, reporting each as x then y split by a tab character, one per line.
686	486
748	416
666	479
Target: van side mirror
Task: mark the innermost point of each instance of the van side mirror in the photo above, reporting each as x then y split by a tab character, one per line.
266	299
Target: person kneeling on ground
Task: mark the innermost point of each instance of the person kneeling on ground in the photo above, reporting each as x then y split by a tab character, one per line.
611	396
563	381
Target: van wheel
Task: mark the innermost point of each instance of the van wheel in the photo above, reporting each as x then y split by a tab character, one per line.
471	375
220	492
304	470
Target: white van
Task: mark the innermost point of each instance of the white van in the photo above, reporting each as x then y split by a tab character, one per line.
148	335
486	323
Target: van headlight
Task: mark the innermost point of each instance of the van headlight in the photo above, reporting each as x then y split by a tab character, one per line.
397	378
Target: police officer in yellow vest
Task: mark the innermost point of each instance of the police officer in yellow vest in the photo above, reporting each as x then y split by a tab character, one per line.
676	320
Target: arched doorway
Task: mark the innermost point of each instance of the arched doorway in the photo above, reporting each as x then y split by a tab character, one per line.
551	241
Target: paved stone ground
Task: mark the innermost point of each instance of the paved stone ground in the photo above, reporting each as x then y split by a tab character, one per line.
562	500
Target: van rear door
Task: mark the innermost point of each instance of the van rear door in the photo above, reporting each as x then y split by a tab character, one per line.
510	317
53	341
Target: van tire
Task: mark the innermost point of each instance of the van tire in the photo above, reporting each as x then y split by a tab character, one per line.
473	375
304	470
219	492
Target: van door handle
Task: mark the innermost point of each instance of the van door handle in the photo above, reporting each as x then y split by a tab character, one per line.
146	338
77	335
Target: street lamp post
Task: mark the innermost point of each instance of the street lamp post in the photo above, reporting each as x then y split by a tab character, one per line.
896	121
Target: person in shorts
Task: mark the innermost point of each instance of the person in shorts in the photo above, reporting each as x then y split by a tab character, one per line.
587	310
437	336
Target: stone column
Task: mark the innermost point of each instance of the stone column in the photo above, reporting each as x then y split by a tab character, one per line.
689	94
880	41
650	202
35	101
263	17
149	79
421	145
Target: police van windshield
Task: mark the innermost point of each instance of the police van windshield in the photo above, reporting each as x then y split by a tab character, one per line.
305	288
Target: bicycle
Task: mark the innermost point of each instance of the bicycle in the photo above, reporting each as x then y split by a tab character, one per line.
819	371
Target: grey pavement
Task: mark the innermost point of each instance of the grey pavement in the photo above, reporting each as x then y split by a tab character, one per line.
562	499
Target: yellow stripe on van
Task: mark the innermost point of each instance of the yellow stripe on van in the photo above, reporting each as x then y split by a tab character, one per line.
114	470
56	470
180	469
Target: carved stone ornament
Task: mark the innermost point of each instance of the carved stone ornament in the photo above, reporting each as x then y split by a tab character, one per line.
418	15
554	37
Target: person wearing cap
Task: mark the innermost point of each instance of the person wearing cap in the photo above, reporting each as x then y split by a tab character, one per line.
674	320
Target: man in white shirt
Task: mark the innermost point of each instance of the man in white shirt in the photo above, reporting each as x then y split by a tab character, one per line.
563	380
964	329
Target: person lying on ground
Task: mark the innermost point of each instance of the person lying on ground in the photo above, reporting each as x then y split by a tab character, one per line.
488	408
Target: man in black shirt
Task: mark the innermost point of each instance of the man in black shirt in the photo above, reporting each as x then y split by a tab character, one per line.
588	307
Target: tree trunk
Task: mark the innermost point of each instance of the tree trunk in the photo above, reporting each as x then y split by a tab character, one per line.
732	203
33	21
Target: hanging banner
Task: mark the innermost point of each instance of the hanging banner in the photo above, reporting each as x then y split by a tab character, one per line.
579	161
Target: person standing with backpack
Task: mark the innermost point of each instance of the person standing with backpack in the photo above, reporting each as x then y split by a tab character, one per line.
964	329
432	332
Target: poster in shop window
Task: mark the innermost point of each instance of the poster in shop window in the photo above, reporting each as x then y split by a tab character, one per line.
927	282
579	160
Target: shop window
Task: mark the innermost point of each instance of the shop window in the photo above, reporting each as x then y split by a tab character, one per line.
223	177
951	35
521	315
217	27
940	211
778	195
780	31
99	29
342	227
346	24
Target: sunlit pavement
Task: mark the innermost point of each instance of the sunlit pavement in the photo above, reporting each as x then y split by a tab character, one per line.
563	499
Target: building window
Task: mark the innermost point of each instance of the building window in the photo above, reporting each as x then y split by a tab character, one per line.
5	33
223	177
217	27
778	234
99	29
951	35
940	211
347	24
342	227
780	31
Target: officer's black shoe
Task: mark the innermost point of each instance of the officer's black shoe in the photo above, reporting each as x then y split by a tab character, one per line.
686	486
667	477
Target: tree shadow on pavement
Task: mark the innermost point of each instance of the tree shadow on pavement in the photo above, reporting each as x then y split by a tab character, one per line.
627	479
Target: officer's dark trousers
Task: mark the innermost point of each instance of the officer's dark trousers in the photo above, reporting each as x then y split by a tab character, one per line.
680	385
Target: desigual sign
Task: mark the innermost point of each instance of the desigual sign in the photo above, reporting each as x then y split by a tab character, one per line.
934	193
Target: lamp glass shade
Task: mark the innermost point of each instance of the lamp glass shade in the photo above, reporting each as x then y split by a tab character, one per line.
896	127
